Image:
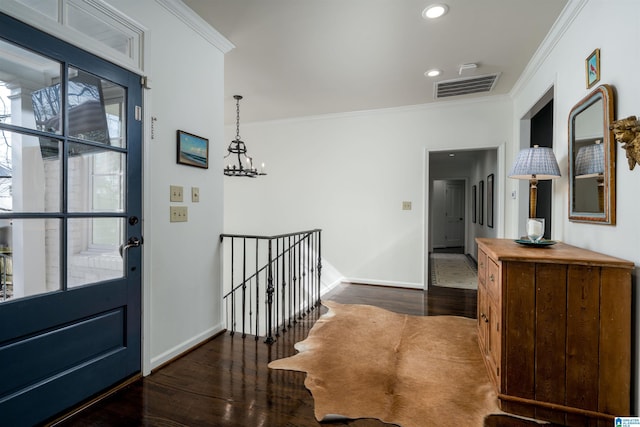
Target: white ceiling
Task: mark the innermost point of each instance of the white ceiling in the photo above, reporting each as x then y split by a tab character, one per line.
297	58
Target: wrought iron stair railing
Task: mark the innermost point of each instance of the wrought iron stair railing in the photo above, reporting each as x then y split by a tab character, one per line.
270	282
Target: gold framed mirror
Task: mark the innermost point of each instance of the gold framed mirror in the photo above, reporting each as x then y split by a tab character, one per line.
592	177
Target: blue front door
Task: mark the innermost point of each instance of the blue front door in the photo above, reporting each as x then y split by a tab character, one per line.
70	225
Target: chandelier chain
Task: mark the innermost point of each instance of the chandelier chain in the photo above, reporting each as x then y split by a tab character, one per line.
237	119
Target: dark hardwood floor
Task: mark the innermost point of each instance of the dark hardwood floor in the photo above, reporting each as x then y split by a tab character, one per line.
226	382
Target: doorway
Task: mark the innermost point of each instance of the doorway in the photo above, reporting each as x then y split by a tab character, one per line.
542	135
70	224
471	168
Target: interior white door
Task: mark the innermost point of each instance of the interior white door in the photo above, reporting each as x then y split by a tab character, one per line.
454	213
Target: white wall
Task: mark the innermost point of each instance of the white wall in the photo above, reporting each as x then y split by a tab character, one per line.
486	164
182	261
617	36
348	175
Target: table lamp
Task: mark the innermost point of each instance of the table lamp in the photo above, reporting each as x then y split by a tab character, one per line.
535	163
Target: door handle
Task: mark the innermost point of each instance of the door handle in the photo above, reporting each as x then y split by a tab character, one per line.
133	242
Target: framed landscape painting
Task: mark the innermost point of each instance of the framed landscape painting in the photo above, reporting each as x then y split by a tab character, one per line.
193	150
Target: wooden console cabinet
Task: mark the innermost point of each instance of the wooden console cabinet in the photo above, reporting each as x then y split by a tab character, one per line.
554	325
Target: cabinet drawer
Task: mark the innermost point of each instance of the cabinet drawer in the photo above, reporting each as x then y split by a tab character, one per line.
493	279
482	266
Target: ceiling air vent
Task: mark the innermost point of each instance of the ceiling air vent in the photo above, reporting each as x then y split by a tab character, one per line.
465	85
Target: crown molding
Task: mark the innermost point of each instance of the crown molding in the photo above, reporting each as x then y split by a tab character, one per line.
196	23
567	16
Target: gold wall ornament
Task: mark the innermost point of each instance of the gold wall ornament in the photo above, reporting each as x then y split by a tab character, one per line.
627	132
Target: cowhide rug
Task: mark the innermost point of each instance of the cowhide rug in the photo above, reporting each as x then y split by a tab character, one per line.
367	362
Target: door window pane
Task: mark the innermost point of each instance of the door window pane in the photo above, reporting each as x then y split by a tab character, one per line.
30	173
48	8
114	107
99	26
96	179
88	116
89	262
29	89
29	257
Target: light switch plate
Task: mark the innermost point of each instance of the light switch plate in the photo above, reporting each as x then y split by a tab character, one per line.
178	214
175	193
406	206
195	194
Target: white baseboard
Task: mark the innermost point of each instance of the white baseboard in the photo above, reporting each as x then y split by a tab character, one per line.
329	287
409	285
185	346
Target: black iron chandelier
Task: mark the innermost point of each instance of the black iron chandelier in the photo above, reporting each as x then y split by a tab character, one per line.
237	148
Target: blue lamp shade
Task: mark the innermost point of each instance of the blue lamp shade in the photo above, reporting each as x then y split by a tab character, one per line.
590	161
535	163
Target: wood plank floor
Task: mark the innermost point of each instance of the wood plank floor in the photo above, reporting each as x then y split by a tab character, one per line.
226	382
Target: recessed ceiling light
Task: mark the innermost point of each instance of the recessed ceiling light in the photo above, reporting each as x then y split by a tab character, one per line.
433	73
435	11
